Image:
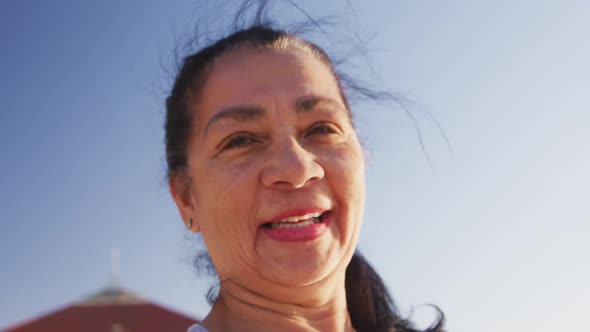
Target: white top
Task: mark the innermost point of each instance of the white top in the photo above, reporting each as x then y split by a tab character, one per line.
197	328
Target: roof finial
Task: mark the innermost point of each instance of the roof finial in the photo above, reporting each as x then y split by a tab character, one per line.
115	268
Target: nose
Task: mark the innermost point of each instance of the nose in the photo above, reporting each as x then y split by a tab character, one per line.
291	166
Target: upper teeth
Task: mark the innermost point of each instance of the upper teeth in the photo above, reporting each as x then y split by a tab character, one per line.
304	217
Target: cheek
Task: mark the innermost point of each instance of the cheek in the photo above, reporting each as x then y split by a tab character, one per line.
225	201
346	177
350	186
347	168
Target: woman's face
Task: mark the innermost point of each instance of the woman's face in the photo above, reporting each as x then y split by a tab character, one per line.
276	169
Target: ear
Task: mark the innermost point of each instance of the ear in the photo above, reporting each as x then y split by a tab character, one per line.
180	189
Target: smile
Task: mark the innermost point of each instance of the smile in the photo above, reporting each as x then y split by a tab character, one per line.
302	227
296	221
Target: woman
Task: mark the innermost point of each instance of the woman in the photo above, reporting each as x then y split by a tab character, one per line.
265	162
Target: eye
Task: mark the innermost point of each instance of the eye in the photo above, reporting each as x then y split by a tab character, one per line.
238	141
322	129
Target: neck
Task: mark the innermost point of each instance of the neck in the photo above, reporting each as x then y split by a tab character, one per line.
308	308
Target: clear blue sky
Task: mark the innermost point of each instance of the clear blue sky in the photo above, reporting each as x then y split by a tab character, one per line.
495	232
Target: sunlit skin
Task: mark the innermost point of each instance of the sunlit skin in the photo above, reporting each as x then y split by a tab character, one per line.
272	135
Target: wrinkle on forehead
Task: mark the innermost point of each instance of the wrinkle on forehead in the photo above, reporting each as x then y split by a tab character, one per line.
235	65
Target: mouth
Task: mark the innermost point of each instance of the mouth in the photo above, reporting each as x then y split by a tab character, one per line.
297	221
298	227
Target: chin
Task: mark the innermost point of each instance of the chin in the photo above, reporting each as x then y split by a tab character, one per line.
304	266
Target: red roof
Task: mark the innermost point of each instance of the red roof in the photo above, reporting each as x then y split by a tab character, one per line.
112	310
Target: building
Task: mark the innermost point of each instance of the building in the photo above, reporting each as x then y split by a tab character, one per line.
113	309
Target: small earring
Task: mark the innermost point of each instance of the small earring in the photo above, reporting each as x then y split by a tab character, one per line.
190	223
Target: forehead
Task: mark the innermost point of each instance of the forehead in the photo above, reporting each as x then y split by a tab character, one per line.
260	76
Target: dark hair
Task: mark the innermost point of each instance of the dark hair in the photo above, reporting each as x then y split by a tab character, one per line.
370	306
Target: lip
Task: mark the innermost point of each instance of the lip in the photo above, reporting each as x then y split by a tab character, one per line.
306	233
294	213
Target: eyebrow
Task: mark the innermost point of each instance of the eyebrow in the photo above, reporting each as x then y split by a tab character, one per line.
308	103
238	113
244	113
